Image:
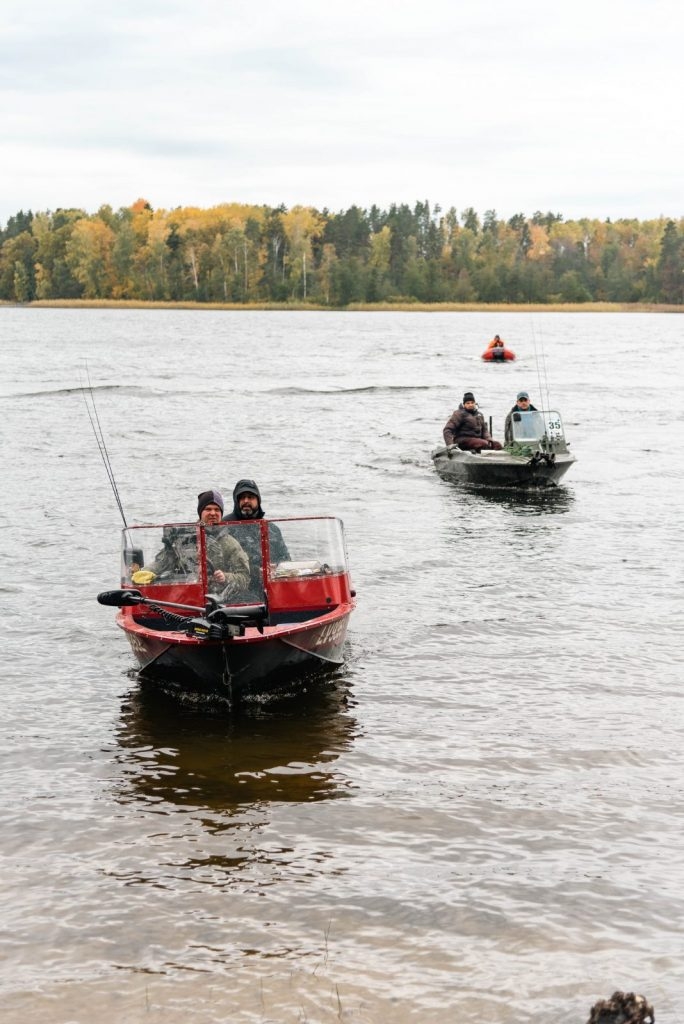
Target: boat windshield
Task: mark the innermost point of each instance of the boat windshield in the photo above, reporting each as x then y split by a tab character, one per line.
172	554
306	547
534	427
166	554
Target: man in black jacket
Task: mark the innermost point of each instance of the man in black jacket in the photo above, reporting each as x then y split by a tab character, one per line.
247	508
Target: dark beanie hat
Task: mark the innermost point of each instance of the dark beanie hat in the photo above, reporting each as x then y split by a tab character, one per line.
468	397
208	498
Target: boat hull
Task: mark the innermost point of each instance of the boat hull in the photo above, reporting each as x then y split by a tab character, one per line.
506	357
500	469
254	663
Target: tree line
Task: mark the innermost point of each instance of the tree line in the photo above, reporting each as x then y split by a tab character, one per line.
237	253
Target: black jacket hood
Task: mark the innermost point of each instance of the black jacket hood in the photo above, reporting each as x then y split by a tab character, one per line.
240	487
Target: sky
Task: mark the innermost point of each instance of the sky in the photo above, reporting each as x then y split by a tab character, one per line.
515	106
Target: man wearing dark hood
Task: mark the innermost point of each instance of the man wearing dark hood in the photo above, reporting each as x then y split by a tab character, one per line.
247	508
466	427
246	502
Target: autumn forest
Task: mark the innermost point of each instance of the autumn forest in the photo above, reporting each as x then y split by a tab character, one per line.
237	253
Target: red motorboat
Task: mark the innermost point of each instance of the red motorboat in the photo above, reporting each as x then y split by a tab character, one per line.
183	628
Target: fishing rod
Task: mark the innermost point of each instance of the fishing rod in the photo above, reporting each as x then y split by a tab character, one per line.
101	443
541	366
546	379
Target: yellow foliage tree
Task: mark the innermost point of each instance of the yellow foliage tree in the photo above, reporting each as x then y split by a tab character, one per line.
380	244
540	246
89	255
302	224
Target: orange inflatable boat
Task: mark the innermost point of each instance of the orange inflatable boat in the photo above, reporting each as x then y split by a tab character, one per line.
496	351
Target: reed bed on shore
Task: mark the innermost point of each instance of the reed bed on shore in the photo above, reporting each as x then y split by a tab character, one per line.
379	307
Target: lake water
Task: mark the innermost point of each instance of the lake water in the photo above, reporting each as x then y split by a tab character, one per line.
479	819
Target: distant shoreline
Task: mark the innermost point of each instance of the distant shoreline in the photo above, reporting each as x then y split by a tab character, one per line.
356	307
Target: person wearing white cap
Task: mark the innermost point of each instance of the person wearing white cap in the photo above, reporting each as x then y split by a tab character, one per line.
522	404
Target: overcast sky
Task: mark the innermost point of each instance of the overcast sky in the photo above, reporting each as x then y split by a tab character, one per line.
512	105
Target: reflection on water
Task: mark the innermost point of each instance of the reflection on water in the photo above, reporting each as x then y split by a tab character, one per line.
196	757
527	501
515	534
531	501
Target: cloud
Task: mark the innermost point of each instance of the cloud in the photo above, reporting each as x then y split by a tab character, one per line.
514	107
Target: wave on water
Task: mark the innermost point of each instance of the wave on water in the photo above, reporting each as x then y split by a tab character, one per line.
287	391
147	392
371	389
125	389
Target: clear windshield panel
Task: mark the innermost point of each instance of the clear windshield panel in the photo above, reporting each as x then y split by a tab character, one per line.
156	555
554	426
532	427
235	549
306	547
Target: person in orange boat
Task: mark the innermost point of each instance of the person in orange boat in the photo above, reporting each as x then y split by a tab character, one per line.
466	427
496	351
